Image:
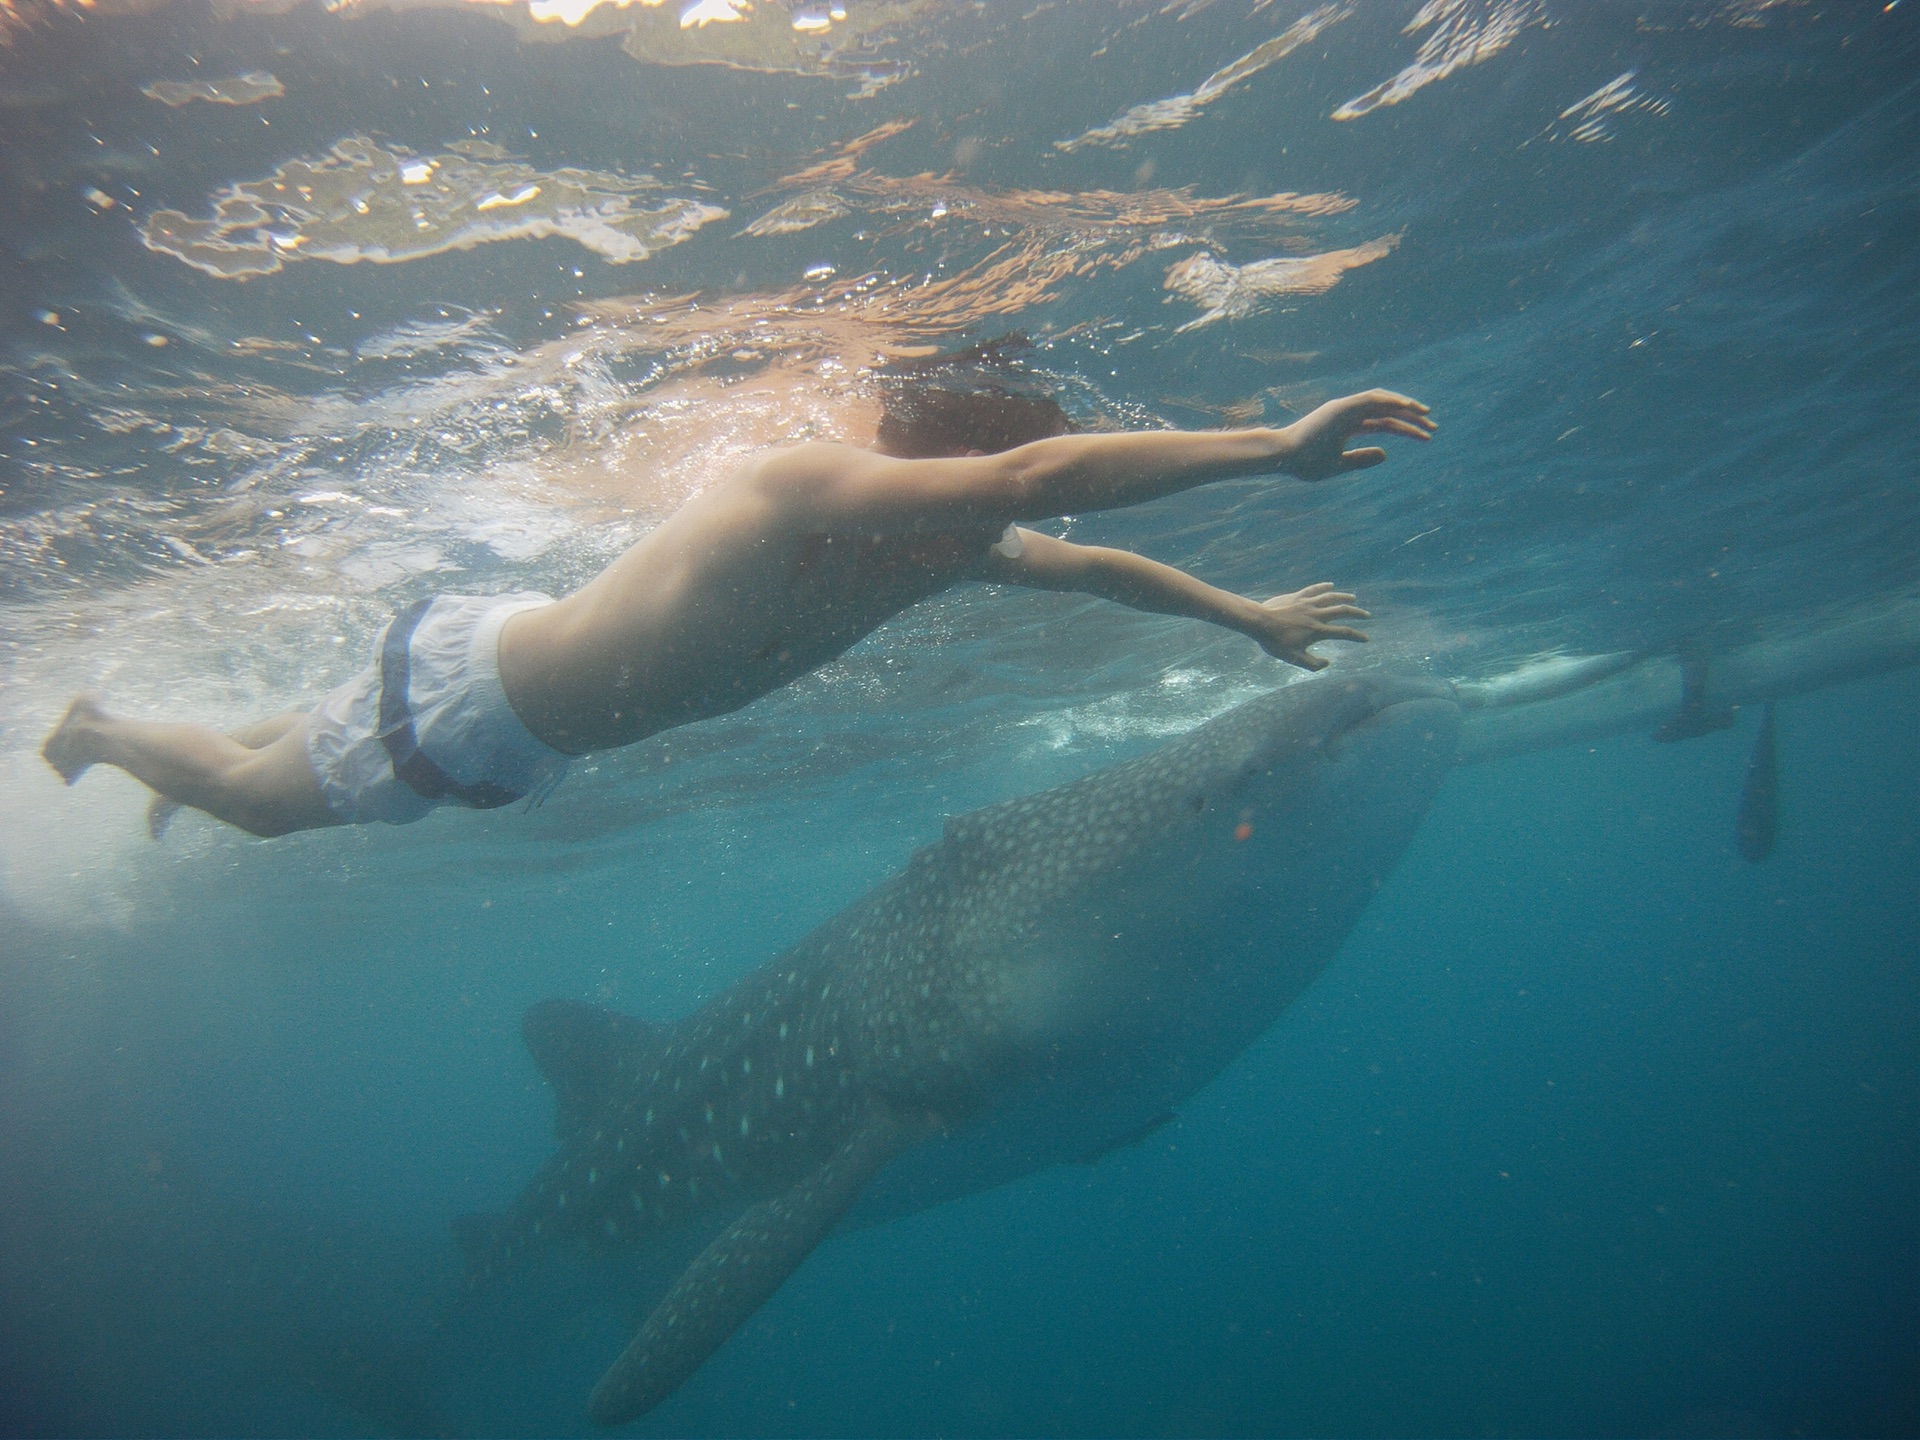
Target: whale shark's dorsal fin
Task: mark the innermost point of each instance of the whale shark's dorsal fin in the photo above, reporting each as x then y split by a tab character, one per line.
1696	716
587	1054
738	1272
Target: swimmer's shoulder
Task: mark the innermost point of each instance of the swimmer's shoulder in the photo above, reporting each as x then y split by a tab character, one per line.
810	476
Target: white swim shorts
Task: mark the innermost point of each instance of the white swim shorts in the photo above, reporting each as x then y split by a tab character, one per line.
427	722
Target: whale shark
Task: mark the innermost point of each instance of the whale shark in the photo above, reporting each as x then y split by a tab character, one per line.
1564	700
1559	699
1045	983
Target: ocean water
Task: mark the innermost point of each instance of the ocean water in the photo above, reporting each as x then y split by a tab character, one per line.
1593	1127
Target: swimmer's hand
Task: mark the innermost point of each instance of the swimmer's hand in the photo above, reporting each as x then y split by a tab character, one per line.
1287	624
1314	447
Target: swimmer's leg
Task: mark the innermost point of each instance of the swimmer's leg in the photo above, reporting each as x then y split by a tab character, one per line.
268	791
256	736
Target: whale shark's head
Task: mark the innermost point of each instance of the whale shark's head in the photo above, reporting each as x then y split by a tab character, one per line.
1272	754
1286	813
1124	936
1083	907
1305	769
1321	776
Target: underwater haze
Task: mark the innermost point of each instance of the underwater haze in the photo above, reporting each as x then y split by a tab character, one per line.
1604	1120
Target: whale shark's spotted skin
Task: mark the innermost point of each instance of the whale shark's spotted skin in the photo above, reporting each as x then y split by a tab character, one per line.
1064	966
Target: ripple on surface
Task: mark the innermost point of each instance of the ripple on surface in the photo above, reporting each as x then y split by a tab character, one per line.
248	89
365	201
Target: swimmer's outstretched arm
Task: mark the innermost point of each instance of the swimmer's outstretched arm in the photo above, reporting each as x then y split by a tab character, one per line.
1284	626
1069	474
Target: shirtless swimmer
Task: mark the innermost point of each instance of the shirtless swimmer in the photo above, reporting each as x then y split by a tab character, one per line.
757	580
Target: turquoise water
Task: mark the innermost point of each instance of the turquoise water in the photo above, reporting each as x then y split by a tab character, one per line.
1592	1127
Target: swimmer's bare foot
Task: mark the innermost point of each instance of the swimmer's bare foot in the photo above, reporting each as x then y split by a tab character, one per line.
70	748
160	813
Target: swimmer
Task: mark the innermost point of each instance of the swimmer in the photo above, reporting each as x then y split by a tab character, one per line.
757	580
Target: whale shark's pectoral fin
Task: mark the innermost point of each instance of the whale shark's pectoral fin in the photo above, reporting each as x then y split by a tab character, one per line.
737	1273
1759	822
587	1054
1132	1137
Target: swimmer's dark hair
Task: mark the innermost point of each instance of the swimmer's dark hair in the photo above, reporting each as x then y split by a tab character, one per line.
956	404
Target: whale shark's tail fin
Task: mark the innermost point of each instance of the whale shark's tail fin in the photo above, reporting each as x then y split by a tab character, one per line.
586	1053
